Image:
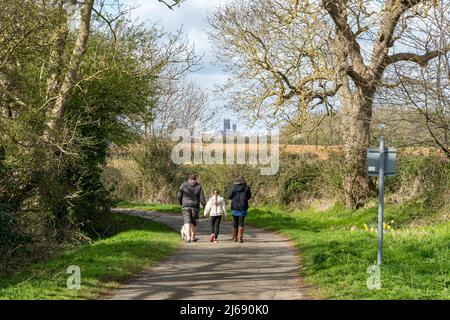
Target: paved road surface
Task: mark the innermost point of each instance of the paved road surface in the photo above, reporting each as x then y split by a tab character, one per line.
265	266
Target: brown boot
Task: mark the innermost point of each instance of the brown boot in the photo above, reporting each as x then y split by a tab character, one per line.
241	234
235	234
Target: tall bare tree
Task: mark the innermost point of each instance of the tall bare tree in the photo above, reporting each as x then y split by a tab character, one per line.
58	44
70	79
416	102
300	54
181	104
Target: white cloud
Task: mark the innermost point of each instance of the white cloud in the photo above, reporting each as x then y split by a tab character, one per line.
192	16
209	80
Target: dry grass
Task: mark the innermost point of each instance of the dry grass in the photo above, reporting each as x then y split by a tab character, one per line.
320	152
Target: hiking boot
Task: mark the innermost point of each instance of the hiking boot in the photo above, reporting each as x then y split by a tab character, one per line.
241	234
235	233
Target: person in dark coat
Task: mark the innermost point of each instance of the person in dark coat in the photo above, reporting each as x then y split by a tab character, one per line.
191	196
239	195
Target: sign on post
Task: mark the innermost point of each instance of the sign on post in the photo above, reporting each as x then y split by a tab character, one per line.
373	162
381	162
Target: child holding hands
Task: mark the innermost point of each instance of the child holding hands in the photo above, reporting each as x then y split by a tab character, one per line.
215	207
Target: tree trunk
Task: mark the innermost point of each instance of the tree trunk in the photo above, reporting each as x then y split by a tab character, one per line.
356	109
59	39
79	50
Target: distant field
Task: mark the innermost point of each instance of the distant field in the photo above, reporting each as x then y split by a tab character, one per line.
322	152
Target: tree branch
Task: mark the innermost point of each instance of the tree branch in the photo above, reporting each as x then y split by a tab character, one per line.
338	12
421	59
173	5
385	38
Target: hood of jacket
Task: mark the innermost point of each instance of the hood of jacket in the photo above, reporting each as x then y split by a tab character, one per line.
191	194
240	187
239	194
219	199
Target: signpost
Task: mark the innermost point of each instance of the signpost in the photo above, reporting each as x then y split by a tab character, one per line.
381	162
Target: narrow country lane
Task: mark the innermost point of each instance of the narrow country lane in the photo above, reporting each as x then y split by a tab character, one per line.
264	267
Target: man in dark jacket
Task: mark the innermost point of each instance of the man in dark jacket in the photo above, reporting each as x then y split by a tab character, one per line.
191	196
239	194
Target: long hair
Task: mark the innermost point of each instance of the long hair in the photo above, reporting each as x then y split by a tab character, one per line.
216	192
240	179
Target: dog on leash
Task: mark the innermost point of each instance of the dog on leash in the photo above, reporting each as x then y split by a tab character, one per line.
185	232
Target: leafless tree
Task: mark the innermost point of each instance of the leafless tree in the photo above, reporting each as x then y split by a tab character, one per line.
181	105
287	57
416	101
171	4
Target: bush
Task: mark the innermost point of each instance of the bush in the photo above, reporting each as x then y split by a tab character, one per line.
299	183
423	179
8	234
147	174
144	173
332	176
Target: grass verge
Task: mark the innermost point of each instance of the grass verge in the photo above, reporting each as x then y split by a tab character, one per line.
137	244
337	246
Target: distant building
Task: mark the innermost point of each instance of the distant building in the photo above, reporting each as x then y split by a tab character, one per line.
227	128
226	124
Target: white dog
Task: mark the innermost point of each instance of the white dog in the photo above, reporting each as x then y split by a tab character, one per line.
185	232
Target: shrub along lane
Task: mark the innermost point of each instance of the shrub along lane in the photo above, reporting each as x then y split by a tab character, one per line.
104	263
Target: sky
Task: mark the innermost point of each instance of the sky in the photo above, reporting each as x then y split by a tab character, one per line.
192	16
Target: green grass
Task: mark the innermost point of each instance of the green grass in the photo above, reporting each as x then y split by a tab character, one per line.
336	250
137	244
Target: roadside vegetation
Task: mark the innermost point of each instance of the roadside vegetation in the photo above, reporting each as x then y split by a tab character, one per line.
134	244
336	247
72	85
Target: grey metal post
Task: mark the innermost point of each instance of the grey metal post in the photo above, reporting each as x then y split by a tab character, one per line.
381	202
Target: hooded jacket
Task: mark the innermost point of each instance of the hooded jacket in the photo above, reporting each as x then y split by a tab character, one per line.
191	195
239	194
215	207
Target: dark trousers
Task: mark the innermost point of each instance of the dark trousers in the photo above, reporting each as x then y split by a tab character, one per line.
238	221
215	225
